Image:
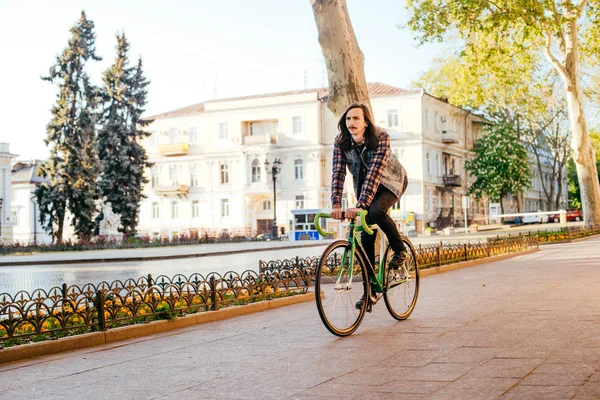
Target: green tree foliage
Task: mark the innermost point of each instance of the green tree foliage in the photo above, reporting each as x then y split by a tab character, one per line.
72	168
500	164
562	30
122	157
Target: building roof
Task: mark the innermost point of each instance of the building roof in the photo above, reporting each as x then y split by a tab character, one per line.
26	172
375	89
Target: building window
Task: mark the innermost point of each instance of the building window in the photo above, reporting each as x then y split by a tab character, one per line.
263	127
194	176
393	118
174	209
256	170
266	205
172	135
174	175
436	120
155	210
155	177
15	217
154	138
297	125
437	165
427	118
193	135
195	209
428	200
224	207
299	169
428	163
223	130
224	174
300	202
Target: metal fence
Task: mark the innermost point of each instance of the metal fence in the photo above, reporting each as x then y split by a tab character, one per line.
69	310
432	255
564	234
438	254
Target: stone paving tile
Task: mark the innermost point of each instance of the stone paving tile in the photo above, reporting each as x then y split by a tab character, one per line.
505	368
589	389
524	353
334	389
470	355
415	358
541	392
577	371
410	387
535	379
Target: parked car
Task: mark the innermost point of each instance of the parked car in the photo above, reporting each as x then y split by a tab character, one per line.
266	237
535	218
572	215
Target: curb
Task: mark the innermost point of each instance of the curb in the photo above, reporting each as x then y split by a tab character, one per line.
47	347
154	258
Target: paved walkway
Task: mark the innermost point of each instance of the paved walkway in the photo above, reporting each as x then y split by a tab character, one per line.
526	327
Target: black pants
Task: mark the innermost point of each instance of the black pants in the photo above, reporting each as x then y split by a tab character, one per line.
378	214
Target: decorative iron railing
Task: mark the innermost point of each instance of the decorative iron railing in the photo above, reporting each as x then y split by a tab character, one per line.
433	254
438	254
69	310
564	234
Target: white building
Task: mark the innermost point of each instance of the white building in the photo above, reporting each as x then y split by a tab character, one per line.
25	212
209	173
5	192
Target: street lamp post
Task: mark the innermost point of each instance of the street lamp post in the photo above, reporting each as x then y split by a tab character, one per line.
274	170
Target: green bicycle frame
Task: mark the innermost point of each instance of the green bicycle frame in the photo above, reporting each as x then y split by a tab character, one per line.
376	280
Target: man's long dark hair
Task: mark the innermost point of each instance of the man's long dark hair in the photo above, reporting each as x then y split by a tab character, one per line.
344	138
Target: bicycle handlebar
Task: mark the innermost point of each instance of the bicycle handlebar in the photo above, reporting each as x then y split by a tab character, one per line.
363	221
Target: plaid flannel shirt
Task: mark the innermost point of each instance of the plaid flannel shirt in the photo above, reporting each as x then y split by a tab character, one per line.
372	179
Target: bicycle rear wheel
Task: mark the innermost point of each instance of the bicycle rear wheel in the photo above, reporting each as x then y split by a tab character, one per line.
401	295
338	287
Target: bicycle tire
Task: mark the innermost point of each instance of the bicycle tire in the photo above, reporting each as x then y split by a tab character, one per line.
335	302
401	296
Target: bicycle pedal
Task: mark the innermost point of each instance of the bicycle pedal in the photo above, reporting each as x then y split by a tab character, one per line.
369	307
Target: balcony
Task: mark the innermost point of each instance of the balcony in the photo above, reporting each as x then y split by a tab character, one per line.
452	180
179	190
449	137
173	149
266	139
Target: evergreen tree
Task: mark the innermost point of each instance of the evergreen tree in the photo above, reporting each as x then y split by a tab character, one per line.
122	157
72	168
500	165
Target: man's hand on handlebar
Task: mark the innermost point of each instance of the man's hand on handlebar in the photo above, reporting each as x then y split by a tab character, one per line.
337	213
351	212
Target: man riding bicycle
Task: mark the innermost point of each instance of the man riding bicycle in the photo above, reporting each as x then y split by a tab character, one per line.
379	178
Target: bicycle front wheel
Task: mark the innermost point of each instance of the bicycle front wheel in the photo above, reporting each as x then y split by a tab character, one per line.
401	293
339	285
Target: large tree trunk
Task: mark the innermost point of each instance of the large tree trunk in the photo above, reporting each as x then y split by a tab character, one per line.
343	57
583	150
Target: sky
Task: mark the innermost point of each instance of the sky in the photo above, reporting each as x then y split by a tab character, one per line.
192	51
